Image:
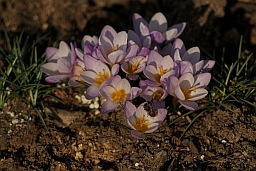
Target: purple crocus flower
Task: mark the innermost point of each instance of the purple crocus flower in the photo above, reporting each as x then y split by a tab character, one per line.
192	55
97	75
60	68
187	89
157	29
117	92
140	121
113	47
153	94
158	68
134	66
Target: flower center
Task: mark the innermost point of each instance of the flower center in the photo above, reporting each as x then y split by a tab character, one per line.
187	93
141	125
111	50
119	96
162	71
102	77
157	95
132	67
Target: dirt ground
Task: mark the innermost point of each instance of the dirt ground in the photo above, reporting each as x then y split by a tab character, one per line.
80	138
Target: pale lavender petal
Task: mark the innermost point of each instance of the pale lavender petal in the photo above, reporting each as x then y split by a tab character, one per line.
89	76
107	91
154	56
144	29
108	106
161	115
192	55
105	45
115	69
203	66
92	92
73	82
185	85
63	51
153	127
151	73
158	23
73	53
172	82
63	65
157	37
124	84
167	62
187	77
134	93
109	32
129	109
179	94
50	51
174	31
50	68
176	55
164	77
178	44
185	67
202	80
137	19
137	135
198	94
115	80
190	105
79	53
120	39
131	51
56	78
115	57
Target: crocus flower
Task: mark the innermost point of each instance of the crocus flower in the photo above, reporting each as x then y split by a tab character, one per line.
192	55
117	92
134	66
154	94
187	89
96	75
113	47
68	66
157	29
140	121
158	68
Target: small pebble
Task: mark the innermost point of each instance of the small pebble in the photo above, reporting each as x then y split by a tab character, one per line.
137	164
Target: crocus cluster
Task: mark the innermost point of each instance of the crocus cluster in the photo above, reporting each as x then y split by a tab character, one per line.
151	57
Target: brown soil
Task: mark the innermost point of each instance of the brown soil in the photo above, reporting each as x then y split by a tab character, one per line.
81	139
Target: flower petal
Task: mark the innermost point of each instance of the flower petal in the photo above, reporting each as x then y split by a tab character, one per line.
190	105
108	106
198	94
56	78
137	135
92	92
158	23
129	109
192	55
